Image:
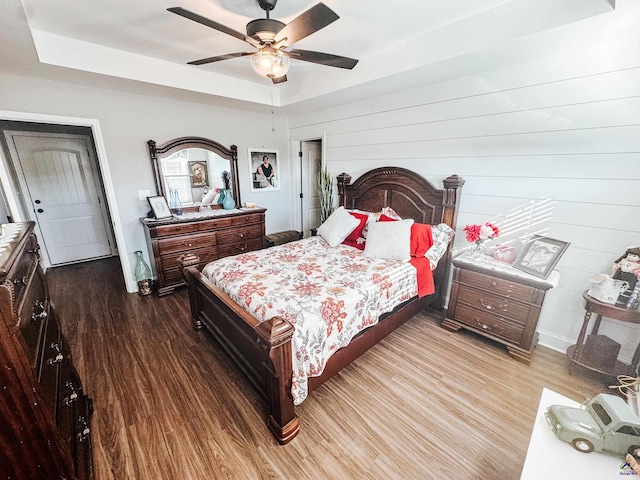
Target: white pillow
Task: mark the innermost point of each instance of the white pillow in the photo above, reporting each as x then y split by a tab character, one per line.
338	226
391	240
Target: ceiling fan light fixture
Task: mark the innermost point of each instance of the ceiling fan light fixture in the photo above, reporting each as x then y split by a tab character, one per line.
270	63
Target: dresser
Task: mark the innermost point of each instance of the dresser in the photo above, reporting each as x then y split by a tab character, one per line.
209	235
45	414
497	301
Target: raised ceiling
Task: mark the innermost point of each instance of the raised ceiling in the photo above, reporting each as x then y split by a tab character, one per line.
398	44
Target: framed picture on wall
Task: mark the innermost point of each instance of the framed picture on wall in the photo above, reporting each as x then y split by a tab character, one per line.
265	170
540	255
198	172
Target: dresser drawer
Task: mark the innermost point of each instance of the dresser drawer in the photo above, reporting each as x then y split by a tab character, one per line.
504	306
498	286
207	254
241	247
175	229
229	222
32	317
52	357
171	268
489	324
22	272
239	235
186	243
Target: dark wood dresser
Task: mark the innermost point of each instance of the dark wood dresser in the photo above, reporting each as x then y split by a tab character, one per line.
497	301
45	413
210	236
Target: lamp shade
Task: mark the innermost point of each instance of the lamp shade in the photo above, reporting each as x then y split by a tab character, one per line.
270	63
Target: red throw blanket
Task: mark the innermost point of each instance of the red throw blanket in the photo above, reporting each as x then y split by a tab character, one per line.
421	241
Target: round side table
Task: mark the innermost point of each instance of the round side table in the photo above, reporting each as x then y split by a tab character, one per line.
576	353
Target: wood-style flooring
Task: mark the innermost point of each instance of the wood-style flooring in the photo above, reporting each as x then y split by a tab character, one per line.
425	403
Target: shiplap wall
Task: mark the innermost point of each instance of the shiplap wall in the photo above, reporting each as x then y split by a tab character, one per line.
566	129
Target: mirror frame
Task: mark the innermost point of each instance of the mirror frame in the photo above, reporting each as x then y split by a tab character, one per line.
165	150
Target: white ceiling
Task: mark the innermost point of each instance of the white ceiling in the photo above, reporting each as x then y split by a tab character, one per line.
399	44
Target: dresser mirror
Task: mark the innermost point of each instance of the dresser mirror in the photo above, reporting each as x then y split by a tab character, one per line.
196	168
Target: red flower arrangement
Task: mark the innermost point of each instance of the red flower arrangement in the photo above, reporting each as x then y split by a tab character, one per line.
479	233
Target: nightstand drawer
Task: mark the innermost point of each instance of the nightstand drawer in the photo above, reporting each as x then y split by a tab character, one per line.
498	286
489	324
494	304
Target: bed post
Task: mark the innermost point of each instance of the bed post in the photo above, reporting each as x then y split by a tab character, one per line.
343	180
275	336
189	262
450	204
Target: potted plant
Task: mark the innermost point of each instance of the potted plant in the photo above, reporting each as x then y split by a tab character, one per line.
325	194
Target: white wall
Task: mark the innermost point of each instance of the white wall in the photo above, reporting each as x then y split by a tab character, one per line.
129	120
565	129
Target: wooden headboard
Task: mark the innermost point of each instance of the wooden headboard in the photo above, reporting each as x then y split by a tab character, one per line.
410	196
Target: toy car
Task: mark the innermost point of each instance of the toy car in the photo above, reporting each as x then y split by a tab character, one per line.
604	424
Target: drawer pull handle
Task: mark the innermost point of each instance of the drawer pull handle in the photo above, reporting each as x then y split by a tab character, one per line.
84	434
38	304
485	305
39	316
494	284
24	280
484	326
488	306
189	244
58	358
73	396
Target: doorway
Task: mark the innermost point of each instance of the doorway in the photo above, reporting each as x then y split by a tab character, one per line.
55	173
310	154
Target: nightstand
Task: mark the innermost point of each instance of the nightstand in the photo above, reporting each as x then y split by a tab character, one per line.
497	301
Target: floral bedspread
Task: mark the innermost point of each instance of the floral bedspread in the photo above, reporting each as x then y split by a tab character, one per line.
328	294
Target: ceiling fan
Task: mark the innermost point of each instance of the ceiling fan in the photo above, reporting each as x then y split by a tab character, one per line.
272	38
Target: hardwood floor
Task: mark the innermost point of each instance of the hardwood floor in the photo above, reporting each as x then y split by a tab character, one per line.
426	403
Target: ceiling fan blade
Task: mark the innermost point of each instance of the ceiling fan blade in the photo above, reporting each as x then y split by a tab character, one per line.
306	23
210	23
277	80
220	58
322	58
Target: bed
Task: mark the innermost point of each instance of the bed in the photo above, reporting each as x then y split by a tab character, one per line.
262	349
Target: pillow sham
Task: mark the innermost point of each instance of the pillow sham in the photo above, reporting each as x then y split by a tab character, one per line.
390	240
390	212
338	226
356	237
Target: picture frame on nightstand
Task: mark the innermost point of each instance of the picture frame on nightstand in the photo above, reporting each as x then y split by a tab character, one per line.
540	255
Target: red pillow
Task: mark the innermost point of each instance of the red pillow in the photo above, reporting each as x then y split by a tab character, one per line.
384	218
352	239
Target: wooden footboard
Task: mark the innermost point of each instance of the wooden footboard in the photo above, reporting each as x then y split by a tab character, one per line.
262	350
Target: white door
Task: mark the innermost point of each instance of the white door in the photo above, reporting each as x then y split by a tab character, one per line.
311	166
60	184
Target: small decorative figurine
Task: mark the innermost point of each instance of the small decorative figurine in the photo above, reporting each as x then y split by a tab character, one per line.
627	267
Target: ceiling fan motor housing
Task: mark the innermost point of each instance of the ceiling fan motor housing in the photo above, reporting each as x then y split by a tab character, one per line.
267	5
264	28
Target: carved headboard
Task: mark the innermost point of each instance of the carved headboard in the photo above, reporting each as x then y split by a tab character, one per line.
410	196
